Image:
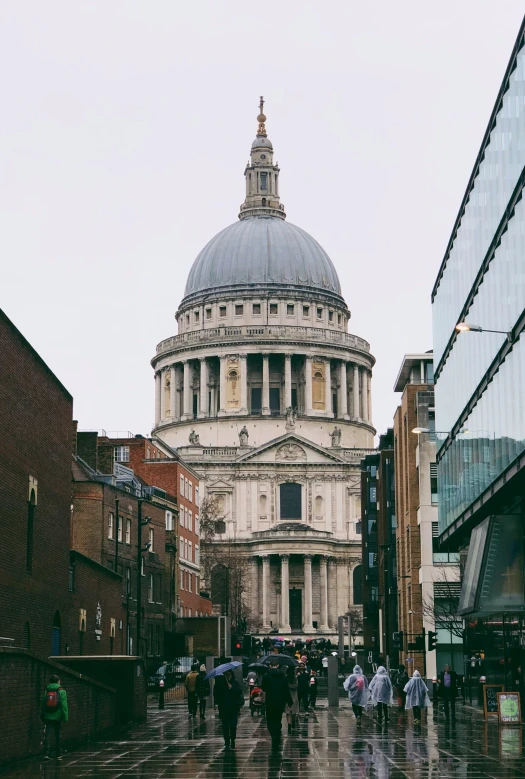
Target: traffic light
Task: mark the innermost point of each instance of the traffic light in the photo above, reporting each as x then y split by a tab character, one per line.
432	640
237	646
420	643
398	640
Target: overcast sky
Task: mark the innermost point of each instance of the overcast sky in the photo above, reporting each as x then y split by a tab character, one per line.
125	129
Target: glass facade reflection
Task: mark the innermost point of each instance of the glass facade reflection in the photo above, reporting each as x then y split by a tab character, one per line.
491	416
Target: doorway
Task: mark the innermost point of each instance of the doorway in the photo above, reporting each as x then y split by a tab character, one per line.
296	609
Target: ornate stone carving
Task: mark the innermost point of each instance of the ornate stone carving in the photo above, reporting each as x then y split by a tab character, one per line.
290	452
194	438
291	416
243	436
335	435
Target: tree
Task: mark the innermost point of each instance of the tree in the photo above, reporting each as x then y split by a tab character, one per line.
224	567
442	606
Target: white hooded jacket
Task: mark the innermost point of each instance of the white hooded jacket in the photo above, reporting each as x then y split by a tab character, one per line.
356	685
381	687
417	692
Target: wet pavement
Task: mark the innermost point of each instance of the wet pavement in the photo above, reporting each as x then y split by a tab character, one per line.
326	744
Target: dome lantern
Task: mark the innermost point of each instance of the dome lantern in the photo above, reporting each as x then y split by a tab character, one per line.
262	176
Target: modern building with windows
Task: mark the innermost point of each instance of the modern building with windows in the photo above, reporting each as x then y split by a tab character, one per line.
266	395
479	382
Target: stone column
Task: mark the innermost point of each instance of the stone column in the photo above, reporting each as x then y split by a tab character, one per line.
266	594
308	386
163	375
285	594
328	386
364	393
187	391
213	401
355	398
287	380
307	621
173	392
266	385
342	586
222	387
244	383
323	584
369	397
255	590
343	392
332	593
203	394
158	385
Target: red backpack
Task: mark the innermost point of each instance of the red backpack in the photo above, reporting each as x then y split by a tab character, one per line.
52	701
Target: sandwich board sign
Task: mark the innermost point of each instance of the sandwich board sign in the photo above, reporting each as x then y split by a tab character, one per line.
509	708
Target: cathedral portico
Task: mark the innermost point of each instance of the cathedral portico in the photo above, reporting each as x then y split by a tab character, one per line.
268	397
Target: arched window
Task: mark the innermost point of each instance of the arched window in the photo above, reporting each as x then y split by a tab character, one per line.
30	531
264	201
263	504
26	641
318	390
55	634
290	494
358	585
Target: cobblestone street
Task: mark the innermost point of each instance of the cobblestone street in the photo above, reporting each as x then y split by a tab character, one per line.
325	745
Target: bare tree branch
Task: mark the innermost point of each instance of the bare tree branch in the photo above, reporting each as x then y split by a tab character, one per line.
443	608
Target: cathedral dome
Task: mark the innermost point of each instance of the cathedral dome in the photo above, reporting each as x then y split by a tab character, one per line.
262	250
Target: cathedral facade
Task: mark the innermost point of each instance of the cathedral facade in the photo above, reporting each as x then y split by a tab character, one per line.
268	397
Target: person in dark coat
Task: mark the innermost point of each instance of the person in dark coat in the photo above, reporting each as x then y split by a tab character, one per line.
277	697
312	689
202	691
303	689
448	691
229	698
401	682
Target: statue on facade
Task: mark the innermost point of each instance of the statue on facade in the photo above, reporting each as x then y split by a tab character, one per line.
291	416
335	435
98	617
243	436
194	438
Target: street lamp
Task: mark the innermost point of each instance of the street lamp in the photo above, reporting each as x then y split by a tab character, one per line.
465	327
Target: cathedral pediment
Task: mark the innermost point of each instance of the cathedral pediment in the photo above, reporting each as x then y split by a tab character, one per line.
293	449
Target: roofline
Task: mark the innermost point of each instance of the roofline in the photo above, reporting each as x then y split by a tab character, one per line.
95	564
35	354
244	289
416	357
520	42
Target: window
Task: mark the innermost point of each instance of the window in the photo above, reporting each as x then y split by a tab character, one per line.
339	319
196	316
142	571
239	309
150	588
197	528
185	488
121	454
119	529
306	310
319	313
190	551
181	486
290	308
197	555
373	494
197	497
169	520
190	521
358	529
190	490
151	539
433	484
190	583
110	525
290	495
274	309
182	580
189	612
330	316
128	581
186	549
181	547
222	311
257	308
128	531
188	319
208	313
264	177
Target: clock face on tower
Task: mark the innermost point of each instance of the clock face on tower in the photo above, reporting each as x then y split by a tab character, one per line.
263	156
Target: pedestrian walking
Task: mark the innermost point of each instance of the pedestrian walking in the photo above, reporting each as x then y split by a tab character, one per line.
303	691
312	689
401	682
356	685
382	693
202	691
277	697
189	683
54	712
229	698
416	696
448	691
291	711
324	663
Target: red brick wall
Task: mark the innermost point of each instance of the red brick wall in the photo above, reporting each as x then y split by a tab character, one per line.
35	439
24	679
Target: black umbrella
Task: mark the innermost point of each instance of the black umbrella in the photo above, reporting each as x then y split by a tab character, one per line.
280	660
257	667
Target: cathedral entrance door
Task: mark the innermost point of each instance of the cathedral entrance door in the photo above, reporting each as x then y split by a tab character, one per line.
296	609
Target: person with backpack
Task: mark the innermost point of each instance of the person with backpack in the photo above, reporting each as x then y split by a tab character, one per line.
189	683
54	713
202	691
382	693
356	685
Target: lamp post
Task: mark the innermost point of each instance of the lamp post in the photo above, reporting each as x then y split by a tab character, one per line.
466	327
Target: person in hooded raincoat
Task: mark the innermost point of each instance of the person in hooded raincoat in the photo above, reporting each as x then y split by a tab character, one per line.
356	685
382	693
417	695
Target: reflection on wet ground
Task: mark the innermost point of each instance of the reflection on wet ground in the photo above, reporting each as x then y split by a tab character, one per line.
326	744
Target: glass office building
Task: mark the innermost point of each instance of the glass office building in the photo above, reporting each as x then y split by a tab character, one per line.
480	376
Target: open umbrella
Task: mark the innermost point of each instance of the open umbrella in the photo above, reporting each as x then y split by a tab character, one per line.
257	666
280	660
221	669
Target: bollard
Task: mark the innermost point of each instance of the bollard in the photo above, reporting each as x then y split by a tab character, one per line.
333	680
161	694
